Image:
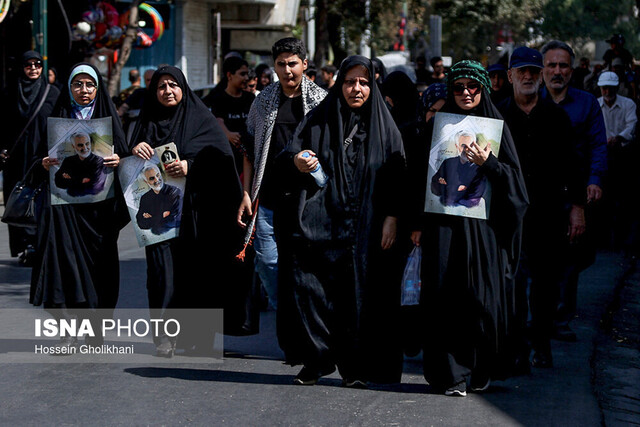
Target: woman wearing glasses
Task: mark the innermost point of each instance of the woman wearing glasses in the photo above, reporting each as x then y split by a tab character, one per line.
77	258
22	119
469	264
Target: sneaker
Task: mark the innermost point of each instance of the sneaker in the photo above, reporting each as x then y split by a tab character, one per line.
306	376
354	383
459	390
165	349
565	333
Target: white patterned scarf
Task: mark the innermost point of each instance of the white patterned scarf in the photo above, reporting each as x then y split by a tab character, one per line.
260	123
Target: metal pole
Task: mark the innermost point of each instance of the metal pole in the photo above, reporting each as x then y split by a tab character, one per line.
40	19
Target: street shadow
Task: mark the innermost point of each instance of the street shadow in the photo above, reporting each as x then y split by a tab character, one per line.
222	376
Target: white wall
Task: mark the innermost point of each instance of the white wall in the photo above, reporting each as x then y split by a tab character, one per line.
195	39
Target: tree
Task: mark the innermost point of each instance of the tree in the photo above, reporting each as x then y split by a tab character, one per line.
125	49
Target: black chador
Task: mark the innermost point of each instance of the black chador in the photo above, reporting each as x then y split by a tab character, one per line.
339	297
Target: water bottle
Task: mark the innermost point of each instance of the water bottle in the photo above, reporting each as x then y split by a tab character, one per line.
318	174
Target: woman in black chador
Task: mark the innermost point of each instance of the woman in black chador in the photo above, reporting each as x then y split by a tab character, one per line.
19	104
188	271
77	258
469	265
340	273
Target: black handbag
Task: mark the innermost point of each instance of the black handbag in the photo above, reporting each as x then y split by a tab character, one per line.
20	207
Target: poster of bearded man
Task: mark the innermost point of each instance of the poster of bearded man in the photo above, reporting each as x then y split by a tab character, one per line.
77	149
154	198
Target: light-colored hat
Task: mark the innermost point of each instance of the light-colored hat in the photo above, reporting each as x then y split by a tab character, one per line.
608	78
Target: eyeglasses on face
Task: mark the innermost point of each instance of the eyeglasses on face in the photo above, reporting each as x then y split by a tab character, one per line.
89	86
472	88
34	64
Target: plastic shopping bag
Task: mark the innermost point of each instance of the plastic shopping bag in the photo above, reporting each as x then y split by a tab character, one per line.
411	282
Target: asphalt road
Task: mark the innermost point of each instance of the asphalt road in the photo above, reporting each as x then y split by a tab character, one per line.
253	387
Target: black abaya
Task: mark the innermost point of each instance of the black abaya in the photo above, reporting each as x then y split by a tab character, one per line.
469	268
190	271
19	102
339	291
77	258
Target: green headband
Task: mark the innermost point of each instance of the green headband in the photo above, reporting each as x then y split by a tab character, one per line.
471	70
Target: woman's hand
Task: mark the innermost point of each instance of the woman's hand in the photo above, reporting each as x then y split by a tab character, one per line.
143	150
177	169
478	155
111	161
47	162
306	164
415	237
389	230
244	209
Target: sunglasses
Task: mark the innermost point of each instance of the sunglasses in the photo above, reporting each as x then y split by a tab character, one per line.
36	64
472	88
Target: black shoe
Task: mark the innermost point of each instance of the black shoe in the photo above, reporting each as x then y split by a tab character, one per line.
355	383
459	389
165	349
26	258
542	359
479	382
565	333
308	376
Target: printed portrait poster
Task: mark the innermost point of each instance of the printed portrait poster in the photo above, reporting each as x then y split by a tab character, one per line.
80	146
456	186
153	197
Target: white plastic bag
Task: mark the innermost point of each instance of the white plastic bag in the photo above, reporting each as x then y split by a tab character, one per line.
411	282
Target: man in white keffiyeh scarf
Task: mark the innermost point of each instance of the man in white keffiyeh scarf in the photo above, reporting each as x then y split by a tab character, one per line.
289	56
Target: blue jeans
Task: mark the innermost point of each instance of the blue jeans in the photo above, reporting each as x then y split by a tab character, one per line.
267	254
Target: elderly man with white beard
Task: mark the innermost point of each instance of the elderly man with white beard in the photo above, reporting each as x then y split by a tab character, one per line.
161	206
83	173
543	137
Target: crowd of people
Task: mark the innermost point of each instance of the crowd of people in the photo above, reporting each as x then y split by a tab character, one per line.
317	183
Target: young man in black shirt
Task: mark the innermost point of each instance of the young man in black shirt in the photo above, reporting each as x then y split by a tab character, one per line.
231	107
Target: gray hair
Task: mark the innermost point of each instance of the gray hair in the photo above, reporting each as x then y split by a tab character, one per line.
79	134
462	133
148	167
557	44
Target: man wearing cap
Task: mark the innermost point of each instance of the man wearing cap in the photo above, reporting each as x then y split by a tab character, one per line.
539	125
590	149
620	121
617	51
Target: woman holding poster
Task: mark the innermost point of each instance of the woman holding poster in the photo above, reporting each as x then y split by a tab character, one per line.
77	259
469	264
204	247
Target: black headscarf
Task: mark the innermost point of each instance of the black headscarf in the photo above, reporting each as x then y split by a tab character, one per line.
30	91
103	107
402	91
379	68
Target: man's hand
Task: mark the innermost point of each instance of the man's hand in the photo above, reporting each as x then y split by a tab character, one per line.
234	138
577	223
146	215
66	176
442	181
462	187
165	214
613	141
389	230
143	150
177	169
85	180
244	209
594	193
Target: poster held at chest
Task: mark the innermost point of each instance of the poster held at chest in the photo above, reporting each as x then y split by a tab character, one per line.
154	198
455	185
79	146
